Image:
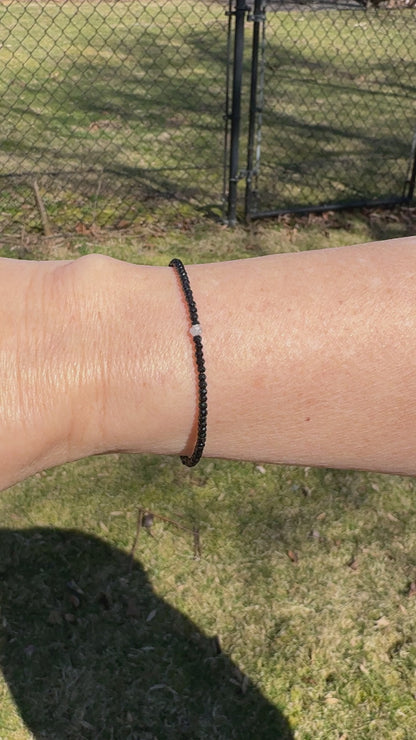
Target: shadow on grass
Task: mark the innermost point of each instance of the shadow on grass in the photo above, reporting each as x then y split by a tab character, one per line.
143	119
90	651
337	127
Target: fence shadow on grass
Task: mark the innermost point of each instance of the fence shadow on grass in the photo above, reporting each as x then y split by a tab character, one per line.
142	121
90	651
122	109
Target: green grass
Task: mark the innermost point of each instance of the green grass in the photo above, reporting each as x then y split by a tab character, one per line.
119	101
118	108
338	117
304	578
305	574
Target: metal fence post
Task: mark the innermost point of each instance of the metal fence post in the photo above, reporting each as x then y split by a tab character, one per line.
258	18
409	195
239	13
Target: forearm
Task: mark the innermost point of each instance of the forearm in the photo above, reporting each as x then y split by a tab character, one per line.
310	359
34	408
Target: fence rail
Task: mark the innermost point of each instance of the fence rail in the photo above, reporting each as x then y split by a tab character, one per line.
245	108
333	116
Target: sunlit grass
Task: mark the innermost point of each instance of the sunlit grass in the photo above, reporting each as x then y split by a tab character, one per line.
112	105
304	578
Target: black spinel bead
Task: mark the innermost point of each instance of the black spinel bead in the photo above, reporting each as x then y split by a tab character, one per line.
199	357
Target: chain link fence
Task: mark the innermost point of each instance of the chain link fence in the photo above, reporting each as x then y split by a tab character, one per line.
334	121
111	109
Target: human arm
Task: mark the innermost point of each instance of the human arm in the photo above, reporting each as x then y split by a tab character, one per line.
310	359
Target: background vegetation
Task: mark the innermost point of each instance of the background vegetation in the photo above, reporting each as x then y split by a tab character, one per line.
117	108
297	621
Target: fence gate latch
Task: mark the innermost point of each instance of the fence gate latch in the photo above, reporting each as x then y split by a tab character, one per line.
256	17
242	9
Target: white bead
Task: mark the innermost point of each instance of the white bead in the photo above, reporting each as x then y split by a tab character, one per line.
195	330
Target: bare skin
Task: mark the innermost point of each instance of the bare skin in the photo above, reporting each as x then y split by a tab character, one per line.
310	357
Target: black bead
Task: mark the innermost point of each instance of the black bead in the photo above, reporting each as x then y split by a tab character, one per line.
193	459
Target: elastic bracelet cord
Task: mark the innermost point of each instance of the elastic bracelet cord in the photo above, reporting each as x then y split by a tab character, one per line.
195	332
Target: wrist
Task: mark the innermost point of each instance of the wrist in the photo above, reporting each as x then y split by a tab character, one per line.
138	390
35	404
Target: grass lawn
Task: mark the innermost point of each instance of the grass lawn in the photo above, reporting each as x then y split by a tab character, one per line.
339	106
109	104
118	107
298	619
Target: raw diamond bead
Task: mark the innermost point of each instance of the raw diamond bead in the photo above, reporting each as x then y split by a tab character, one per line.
195	330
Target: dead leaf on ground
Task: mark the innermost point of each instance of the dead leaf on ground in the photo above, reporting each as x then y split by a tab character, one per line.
216	645
331	700
73	586
74	601
84	229
123	224
412	589
54	617
104	598
132	609
382	622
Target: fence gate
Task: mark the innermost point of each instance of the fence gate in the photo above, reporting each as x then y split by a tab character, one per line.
329	92
112	109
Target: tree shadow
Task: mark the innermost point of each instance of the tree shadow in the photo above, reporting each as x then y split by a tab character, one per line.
330	133
89	650
129	108
140	117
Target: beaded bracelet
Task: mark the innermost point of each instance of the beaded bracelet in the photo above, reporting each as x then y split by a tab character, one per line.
195	332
